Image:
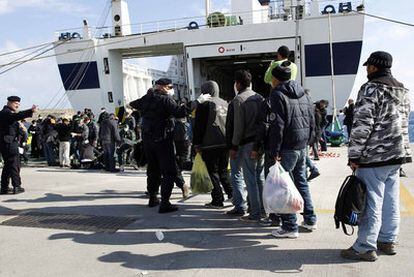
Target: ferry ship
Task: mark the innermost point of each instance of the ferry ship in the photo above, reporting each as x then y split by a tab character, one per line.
325	38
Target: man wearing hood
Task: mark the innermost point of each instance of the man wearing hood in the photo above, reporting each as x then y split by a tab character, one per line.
209	140
291	128
378	146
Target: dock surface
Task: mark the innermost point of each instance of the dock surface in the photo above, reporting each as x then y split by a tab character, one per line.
90	223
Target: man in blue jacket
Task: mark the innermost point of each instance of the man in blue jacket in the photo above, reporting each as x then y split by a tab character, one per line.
291	128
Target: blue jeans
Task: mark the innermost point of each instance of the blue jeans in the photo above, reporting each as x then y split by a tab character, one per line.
294	161
243	167
381	219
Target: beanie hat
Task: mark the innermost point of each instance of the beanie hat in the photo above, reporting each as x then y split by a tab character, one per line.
380	59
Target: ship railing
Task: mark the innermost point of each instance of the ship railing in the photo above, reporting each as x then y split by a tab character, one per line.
277	11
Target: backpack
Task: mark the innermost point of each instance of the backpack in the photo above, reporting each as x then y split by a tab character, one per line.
350	203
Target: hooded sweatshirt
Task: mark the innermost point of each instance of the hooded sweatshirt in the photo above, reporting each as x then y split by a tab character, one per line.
292	118
210	119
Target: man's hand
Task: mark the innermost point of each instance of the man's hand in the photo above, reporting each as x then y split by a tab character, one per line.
254	155
34	108
197	150
278	159
233	154
203	98
353	166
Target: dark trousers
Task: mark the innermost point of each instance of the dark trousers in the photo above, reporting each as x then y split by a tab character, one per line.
315	150
48	149
109	152
35	147
161	168
349	129
11	170
121	151
324	141
217	161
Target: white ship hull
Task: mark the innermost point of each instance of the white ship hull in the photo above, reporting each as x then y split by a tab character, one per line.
214	53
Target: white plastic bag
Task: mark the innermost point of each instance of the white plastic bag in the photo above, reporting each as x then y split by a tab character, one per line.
280	195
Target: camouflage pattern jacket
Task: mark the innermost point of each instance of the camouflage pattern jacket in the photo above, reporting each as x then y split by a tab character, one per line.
380	128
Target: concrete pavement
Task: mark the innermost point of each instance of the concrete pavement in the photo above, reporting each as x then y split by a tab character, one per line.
198	241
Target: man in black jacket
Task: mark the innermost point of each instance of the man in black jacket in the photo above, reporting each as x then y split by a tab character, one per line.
64	131
291	129
109	137
9	145
158	110
349	116
209	140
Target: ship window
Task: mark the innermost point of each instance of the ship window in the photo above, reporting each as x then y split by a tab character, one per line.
106	65
110	97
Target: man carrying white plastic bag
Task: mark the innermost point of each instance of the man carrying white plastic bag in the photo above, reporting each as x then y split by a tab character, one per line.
280	195
290	131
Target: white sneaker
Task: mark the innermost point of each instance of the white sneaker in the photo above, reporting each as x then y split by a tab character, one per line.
309	227
280	233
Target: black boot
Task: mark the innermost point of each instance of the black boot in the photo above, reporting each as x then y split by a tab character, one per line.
153	201
6	191
167	208
17	190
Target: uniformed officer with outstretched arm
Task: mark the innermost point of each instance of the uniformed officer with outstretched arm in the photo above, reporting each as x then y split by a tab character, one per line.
158	109
9	145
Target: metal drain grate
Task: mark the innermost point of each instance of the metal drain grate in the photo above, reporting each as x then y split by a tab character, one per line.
72	222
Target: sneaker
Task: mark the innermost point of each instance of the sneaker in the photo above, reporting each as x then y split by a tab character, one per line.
269	222
352	254
309	227
186	191
214	206
314	173
17	190
249	218
235	212
281	233
167	209
388	248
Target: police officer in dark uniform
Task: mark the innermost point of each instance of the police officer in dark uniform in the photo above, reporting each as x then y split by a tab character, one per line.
158	110
9	144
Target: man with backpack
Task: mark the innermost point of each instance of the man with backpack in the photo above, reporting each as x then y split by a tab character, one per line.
378	146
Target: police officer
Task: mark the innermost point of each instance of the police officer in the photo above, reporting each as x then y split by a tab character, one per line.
9	145
158	110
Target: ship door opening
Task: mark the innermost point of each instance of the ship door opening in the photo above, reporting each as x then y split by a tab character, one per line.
222	69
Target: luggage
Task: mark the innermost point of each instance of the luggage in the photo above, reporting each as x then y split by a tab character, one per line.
350	203
280	195
200	179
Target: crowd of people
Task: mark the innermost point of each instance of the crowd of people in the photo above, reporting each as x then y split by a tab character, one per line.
250	133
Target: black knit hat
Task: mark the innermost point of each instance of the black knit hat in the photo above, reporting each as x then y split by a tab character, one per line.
380	59
163	82
13	99
282	72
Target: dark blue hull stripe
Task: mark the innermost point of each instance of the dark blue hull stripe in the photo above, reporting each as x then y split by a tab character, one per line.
78	76
346	58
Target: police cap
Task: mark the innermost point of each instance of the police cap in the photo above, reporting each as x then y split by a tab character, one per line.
13	99
163	82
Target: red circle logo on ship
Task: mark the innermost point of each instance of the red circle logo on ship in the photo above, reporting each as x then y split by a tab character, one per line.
221	50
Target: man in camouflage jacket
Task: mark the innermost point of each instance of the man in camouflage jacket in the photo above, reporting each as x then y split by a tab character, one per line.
378	146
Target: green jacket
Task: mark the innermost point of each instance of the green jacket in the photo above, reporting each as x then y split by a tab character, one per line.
268	75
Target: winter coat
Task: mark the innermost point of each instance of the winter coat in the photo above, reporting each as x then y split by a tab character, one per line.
9	130
379	134
292	119
246	114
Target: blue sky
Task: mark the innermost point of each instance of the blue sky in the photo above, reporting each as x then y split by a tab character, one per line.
29	22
